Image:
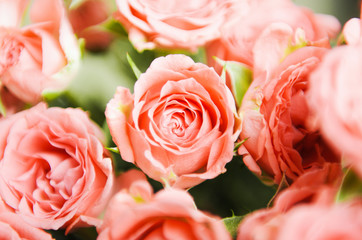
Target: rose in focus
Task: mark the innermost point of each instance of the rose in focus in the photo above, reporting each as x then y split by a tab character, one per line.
172	24
54	171
136	213
178	127
274	116
38	57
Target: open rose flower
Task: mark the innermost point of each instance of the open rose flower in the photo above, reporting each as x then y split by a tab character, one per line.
41	56
135	213
178	126
315	221
185	24
274	116
54	171
242	31
335	99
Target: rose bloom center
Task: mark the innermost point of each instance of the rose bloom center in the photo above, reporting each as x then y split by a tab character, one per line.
177	119
10	50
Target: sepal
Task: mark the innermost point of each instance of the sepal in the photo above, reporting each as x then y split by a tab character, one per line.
240	77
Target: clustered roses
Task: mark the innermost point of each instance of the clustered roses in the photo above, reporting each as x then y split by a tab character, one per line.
271	91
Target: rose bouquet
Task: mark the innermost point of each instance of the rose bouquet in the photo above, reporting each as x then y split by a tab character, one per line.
212	119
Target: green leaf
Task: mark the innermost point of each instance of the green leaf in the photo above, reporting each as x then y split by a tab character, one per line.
113	149
232	224
240	76
50	95
135	69
351	186
116	27
238	144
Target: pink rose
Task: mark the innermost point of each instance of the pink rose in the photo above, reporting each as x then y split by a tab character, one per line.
307	221
335	97
261	224
340	221
240	34
38	57
13	227
53	167
274	116
315	185
85	19
169	214
352	31
178	125
185	24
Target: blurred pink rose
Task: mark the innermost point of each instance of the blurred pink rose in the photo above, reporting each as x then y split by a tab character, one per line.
13	227
53	167
179	125
261	224
84	19
314	222
315	185
335	99
307	221
274	116
185	24
135	183
169	214
352	31
242	31
37	57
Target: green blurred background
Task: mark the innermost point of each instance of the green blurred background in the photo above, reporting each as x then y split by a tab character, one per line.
342	9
